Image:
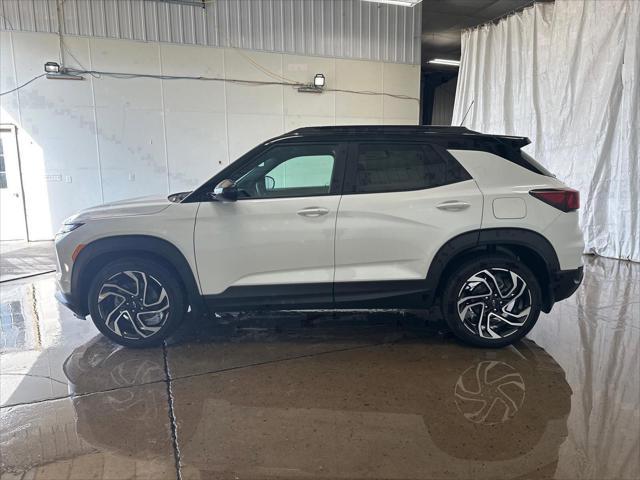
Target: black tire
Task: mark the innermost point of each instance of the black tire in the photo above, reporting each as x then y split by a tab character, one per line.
158	314
485	319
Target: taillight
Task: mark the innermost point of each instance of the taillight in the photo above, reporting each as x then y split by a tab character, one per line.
565	199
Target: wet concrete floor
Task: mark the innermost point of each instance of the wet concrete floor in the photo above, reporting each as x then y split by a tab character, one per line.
321	395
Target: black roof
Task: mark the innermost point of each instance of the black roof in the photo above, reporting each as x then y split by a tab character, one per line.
381	131
397	129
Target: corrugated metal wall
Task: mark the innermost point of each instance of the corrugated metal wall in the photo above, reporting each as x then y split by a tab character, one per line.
331	28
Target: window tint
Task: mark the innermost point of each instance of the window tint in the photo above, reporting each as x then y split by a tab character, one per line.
540	169
289	171
307	171
398	167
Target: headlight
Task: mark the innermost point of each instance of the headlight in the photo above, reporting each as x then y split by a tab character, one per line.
68	227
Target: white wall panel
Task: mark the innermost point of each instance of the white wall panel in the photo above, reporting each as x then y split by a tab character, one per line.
180	95
264	99
396	78
136	57
246	130
292	122
196	147
336	28
103	139
362	76
132	152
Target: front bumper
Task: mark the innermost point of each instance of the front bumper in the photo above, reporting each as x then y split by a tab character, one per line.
566	282
68	301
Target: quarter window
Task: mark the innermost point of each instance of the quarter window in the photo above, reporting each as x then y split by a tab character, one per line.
401	167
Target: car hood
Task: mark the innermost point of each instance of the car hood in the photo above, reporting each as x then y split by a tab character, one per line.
123	208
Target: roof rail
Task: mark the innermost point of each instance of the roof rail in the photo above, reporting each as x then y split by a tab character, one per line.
384	129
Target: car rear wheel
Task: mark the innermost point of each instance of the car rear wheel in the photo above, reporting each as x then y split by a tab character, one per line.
491	301
136	302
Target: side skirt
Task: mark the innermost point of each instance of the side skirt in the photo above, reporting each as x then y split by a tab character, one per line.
356	295
385	294
272	297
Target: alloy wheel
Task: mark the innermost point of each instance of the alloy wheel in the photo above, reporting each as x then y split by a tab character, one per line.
133	304
494	303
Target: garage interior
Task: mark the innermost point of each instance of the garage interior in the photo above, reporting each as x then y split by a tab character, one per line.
344	394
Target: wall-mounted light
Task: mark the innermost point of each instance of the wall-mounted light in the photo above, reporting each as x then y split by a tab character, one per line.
52	67
316	87
55	72
444	61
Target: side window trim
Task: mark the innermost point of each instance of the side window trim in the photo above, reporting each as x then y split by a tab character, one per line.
352	166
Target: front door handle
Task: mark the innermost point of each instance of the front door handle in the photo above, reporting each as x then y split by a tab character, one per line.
313	212
453	205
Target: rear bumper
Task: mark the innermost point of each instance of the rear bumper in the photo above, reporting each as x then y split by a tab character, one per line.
68	301
566	282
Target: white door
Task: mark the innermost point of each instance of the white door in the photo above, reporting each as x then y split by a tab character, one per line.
12	219
401	203
277	239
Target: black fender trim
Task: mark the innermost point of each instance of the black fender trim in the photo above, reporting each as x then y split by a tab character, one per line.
524	238
491	238
447	252
121	244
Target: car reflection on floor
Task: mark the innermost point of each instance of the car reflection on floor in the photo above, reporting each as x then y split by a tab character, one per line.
413	409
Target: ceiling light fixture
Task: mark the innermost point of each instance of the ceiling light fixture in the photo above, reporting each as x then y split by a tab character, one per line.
402	3
444	61
318	80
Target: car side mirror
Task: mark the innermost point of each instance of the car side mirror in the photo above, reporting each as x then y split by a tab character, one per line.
225	191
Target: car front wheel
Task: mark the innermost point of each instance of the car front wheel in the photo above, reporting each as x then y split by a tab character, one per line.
136	302
491	301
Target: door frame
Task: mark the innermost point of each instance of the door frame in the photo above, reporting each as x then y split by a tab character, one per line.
13	129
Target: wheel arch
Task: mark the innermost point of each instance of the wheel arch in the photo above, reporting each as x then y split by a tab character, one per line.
532	248
98	253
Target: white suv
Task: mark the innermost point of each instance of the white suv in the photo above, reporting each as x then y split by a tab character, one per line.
336	217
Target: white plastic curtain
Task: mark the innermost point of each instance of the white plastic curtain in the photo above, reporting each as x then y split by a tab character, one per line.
565	74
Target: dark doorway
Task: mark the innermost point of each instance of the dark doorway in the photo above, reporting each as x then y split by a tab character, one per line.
438	93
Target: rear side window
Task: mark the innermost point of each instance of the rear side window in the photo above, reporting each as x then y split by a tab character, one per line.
531	161
403	167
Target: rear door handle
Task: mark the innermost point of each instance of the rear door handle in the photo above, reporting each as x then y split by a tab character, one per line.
313	212
453	205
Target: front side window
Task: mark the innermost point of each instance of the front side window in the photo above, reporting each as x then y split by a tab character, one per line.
288	171
402	167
